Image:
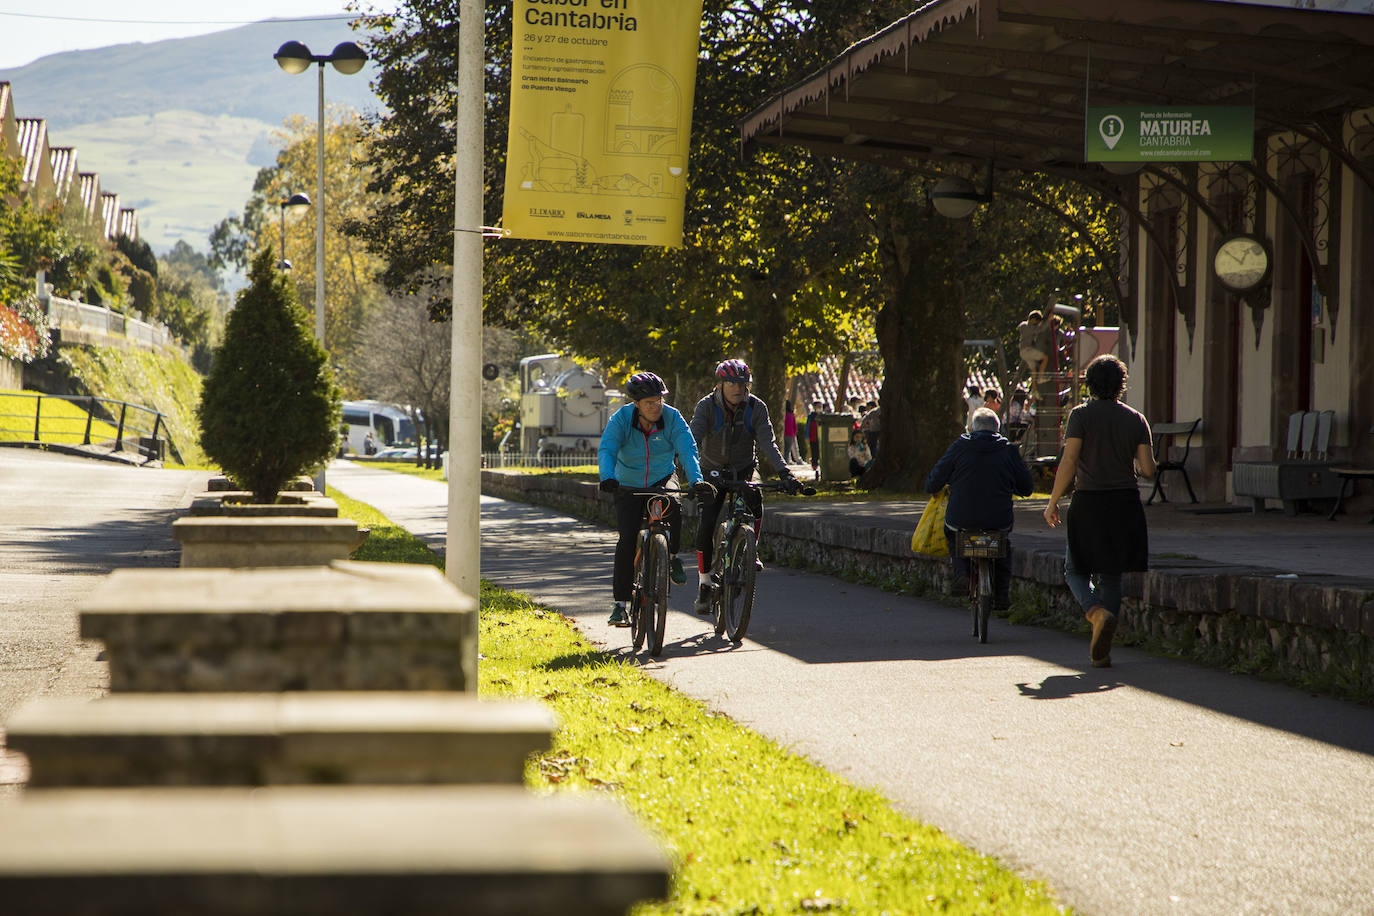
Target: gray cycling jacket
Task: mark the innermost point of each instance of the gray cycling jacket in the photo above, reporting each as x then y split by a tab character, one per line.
725	443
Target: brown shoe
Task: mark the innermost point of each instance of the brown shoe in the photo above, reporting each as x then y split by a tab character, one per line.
1104	627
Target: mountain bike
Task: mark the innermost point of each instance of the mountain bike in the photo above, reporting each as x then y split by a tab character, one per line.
649	595
735	550
982	549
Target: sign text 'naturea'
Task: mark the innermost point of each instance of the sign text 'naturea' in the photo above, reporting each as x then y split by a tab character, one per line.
600	116
1214	133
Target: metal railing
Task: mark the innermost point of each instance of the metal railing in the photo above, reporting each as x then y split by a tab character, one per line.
121	417
524	460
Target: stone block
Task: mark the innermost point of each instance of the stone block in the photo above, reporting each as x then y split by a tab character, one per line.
316	850
221	541
346	626
239	504
278	739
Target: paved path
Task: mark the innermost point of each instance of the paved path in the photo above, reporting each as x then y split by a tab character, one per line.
64	523
1153	787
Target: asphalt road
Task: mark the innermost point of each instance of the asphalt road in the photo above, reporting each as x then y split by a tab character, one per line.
64	523
1152	787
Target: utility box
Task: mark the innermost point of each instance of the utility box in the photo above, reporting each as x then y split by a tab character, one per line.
834	441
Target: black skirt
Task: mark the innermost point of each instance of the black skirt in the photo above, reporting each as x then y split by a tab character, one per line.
1106	531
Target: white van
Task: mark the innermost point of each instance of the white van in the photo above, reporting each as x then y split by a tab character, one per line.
390	425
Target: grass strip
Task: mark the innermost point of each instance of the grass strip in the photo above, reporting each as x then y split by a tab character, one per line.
751	828
62	422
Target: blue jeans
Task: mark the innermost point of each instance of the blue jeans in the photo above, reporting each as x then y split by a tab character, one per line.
1093	589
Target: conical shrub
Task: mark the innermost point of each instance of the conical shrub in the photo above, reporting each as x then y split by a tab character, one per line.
270	409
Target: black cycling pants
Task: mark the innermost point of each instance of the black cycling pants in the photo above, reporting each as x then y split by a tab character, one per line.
629	512
710	517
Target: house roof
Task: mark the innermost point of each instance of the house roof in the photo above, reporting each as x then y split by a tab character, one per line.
128	223
1007	81
109	213
90	192
63	161
33	150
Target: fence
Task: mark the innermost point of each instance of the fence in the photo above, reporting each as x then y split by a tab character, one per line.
68	315
102	422
524	460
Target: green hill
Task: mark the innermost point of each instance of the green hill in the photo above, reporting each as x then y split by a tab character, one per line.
162	381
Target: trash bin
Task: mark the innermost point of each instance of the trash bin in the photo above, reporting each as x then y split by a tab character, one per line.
834	442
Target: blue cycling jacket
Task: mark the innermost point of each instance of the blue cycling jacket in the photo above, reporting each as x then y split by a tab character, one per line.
639	459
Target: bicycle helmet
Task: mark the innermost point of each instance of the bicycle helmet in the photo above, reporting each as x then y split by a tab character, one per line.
645	385
733	370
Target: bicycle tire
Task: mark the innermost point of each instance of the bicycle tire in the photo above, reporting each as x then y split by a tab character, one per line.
738	587
984	609
656	600
637	595
718	576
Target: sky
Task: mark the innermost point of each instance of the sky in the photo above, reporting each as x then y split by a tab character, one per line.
30	29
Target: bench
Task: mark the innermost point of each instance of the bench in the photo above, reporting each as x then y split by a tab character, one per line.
1164	433
1305	472
1349	478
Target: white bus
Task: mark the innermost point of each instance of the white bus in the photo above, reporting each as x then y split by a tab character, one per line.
390	425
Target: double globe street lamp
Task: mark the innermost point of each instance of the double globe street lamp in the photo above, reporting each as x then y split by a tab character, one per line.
347	58
293	203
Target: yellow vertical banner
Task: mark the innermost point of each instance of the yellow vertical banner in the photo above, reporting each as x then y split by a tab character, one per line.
600	117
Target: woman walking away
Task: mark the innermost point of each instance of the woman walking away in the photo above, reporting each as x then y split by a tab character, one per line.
1106	445
790	453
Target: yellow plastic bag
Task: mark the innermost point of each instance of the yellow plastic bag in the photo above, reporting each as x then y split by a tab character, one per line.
929	538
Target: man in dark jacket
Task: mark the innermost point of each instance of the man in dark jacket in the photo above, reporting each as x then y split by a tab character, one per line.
983	471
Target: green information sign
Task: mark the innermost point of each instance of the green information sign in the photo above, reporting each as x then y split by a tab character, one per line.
1204	134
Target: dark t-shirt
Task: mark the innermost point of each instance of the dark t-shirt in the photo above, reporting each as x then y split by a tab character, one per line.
1110	431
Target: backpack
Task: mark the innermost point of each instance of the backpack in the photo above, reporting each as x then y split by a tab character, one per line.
748	416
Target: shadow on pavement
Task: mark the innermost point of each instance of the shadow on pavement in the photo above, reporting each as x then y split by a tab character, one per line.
139	537
821	620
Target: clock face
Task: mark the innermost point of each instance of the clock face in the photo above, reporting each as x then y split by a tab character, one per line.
1241	263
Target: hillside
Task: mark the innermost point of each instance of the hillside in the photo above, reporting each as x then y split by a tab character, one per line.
225	73
179	128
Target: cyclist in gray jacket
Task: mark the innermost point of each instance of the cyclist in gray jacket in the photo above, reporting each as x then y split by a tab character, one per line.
731	428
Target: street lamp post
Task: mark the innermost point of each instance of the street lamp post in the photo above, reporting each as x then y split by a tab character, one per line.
294	202
347	58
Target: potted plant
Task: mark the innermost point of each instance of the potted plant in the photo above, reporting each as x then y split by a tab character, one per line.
268	412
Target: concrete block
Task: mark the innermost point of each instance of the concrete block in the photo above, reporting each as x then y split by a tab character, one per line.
239	504
346	626
166	739
316	850
219	541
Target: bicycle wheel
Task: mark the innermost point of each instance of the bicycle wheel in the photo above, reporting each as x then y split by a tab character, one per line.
637	599
738	587
718	575
656	595
984	606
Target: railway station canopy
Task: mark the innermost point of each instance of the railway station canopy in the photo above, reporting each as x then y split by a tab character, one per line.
1008	82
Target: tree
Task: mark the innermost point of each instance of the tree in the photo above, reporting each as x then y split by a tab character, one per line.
270	409
405	356
350	289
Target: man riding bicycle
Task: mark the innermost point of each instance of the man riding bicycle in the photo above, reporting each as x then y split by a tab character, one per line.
637	451
731	427
983	471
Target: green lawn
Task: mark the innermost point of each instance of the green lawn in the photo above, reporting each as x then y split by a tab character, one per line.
750	827
61	422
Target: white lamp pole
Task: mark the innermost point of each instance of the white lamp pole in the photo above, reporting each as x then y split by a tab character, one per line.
463	551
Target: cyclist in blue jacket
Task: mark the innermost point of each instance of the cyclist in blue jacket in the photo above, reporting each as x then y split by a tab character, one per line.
638	448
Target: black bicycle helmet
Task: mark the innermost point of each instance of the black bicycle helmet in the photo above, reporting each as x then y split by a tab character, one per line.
645	385
733	370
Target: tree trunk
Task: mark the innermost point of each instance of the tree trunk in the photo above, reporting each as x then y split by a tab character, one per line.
920	328
768	362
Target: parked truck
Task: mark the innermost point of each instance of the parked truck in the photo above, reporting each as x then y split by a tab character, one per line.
563	407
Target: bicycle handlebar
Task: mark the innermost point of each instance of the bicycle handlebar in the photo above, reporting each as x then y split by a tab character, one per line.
750	485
